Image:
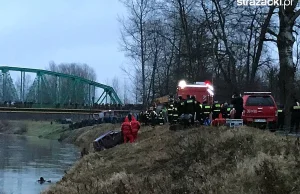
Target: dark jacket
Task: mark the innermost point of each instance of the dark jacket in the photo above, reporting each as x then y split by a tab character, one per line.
238	103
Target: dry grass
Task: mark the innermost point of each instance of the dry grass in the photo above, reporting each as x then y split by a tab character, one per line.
42	129
202	160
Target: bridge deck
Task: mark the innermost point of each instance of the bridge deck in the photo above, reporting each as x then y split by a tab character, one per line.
55	110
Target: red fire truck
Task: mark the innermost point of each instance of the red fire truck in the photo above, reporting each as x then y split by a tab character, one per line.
203	91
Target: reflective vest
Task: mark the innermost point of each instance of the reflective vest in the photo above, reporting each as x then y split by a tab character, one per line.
160	116
217	108
228	111
147	114
170	109
207	109
279	111
189	101
175	112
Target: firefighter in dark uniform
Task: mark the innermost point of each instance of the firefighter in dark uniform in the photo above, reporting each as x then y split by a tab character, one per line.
216	110
141	117
189	106
153	116
295	119
180	106
147	117
228	111
224	110
170	112
238	104
280	117
199	113
175	115
206	111
160	118
198	107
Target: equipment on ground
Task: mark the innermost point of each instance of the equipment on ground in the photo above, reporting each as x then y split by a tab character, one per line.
232	123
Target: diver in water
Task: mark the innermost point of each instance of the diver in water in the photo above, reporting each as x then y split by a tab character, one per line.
42	180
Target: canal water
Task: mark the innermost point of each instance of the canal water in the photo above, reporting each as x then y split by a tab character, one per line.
23	160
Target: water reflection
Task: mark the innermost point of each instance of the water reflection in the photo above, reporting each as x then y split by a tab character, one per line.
23	160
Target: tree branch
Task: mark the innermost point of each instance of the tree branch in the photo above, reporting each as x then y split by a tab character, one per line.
297	14
272	32
270	40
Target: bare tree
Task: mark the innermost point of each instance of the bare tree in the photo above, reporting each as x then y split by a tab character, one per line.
115	83
27	83
133	35
285	43
75	91
198	40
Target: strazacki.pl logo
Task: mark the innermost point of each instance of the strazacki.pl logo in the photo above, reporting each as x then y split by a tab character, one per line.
283	3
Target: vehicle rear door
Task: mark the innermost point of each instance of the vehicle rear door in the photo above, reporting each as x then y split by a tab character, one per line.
260	107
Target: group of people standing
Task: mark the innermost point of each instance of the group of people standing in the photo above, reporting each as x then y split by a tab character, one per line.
130	128
189	110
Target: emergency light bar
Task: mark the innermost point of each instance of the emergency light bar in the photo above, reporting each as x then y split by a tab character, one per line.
182	84
196	86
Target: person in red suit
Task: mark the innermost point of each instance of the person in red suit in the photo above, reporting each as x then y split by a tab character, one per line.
135	126
126	130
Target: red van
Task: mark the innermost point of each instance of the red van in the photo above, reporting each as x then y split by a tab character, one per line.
260	109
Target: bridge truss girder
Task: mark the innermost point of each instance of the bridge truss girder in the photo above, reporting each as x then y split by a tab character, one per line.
54	88
8	89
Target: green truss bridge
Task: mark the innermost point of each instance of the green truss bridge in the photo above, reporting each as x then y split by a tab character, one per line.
52	90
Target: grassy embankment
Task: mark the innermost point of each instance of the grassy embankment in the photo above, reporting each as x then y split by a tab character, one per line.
203	160
44	129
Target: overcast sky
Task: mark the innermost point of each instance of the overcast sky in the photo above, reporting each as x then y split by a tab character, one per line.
34	32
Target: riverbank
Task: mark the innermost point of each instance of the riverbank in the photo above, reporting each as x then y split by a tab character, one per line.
41	129
82	137
202	160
